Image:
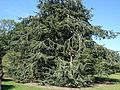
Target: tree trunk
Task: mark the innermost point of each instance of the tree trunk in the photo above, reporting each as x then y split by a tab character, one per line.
1	73
0	85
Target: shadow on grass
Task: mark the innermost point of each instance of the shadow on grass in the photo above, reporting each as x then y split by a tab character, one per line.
6	80
106	80
7	87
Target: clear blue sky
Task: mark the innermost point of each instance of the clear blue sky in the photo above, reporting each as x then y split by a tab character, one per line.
106	13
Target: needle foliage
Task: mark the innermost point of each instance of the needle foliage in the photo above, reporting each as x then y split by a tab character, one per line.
56	46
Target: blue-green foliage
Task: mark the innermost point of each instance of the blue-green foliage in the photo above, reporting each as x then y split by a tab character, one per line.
56	46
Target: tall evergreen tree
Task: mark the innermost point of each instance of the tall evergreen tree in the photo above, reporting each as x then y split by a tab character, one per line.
56	46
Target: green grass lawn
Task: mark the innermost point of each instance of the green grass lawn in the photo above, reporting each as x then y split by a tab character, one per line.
105	87
114	84
10	85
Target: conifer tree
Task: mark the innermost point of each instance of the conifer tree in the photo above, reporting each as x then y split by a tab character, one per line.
56	46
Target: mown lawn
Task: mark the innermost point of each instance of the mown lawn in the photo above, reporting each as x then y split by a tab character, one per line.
105	87
106	83
10	85
111	82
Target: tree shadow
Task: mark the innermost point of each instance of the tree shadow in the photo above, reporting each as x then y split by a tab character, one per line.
6	80
106	80
7	87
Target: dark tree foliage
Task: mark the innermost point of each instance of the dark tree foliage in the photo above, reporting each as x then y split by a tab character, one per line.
56	46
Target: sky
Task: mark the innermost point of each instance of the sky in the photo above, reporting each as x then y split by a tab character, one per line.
106	13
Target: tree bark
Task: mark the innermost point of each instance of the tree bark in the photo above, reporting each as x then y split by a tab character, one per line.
1	73
0	85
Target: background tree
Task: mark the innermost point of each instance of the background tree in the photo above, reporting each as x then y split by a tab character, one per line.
5	26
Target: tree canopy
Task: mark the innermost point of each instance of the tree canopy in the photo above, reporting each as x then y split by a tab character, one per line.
56	46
